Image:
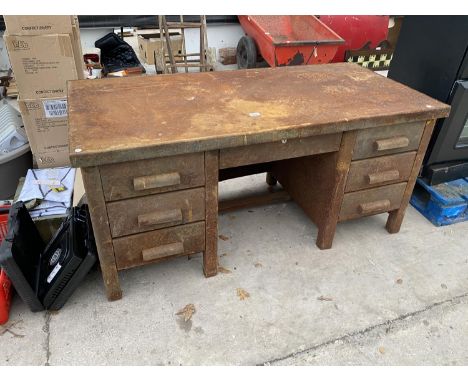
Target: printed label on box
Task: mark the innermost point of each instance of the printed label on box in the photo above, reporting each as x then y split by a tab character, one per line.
55	108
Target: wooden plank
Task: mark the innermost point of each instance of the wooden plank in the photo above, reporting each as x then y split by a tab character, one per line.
373	201
380	171
215	110
130	216
210	256
152	246
285	149
227	56
168	45
184	51
388	140
268	197
182	55
395	218
182	25
97	209
203	43
189	64
317	184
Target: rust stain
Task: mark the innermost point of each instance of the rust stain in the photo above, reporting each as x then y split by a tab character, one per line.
338	89
255	114
360	76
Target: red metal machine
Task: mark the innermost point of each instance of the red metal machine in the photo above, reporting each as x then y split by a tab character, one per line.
358	32
286	40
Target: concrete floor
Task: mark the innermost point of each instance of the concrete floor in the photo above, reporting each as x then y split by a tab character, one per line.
374	298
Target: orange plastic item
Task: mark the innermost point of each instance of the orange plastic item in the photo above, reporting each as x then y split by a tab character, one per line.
5	297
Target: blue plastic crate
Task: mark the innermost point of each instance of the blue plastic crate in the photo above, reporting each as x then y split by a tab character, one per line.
442	204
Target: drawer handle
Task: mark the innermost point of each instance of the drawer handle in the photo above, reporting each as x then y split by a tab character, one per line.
391	143
373	207
163	251
160	217
156	181
381	177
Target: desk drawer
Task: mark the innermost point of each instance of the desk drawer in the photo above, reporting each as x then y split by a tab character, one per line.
149	247
379	171
388	140
273	151
152	176
151	212
371	202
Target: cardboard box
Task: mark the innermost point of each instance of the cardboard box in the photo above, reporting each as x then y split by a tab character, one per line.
77	50
46	124
151	42
42	64
35	25
58	158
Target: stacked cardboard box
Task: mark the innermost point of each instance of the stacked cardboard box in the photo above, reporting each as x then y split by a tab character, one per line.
45	53
150	45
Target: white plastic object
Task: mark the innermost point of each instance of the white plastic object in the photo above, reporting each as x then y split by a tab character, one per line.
12	134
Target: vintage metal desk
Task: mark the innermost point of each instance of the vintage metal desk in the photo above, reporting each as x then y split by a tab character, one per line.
343	141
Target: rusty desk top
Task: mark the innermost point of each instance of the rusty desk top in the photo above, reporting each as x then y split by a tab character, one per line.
115	120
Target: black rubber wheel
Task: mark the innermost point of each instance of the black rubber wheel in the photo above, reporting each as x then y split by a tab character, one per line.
246	53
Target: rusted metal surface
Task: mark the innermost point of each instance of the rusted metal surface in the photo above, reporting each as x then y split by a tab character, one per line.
372	201
388	140
286	149
380	171
127	119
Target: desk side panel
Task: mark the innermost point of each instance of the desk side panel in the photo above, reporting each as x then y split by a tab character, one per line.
395	218
97	207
